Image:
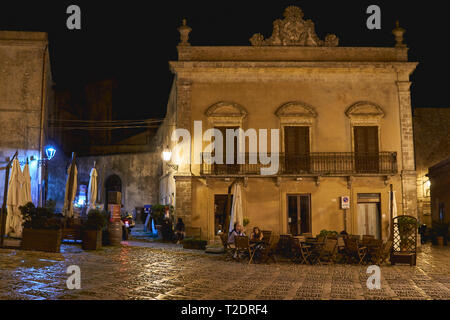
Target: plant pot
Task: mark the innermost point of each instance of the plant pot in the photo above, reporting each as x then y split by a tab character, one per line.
196	244
41	240
440	240
92	240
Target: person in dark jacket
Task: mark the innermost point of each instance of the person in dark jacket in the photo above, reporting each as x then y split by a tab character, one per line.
180	230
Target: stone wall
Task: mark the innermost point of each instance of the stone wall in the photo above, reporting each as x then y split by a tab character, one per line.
25	94
139	174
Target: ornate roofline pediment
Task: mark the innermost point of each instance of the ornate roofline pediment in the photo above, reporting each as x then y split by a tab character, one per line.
364	109
293	30
226	109
295	109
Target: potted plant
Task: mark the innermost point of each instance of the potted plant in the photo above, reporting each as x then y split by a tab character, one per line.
245	222
92	230
41	229
440	233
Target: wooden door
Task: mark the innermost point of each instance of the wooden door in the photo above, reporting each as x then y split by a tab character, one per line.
299	214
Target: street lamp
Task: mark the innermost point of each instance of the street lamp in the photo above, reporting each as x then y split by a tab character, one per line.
50	152
166	156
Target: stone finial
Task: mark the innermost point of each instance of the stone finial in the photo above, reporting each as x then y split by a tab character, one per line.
184	31
398	32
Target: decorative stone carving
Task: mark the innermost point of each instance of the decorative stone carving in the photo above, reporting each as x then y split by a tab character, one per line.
226	113
184	31
293	30
365	112
296	112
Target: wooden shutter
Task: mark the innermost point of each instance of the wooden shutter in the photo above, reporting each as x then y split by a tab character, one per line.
296	145
366	149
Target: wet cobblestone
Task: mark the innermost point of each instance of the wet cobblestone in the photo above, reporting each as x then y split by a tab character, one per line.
157	271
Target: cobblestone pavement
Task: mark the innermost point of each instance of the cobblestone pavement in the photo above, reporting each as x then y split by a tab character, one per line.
140	270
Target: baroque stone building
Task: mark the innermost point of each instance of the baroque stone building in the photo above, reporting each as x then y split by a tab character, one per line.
25	96
344	121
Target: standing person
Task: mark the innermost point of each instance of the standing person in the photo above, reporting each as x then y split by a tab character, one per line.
179	230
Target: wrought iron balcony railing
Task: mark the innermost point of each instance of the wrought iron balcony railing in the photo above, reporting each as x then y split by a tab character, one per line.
323	163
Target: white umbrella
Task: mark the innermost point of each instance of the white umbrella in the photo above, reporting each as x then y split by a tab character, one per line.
71	190
92	189
26	186
14	200
394	212
236	208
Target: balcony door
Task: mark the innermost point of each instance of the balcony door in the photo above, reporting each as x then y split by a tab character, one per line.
227	168
296	148
366	149
299	214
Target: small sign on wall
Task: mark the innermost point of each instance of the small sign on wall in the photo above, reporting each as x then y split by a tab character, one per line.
345	202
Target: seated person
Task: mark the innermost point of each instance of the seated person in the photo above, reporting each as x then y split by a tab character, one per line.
237	231
257	235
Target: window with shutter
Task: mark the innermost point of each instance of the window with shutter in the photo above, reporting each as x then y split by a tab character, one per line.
366	149
296	146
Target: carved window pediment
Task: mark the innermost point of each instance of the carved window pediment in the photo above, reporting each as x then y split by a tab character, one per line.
296	112
226	113
365	112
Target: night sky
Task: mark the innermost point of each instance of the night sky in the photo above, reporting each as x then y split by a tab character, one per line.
132	41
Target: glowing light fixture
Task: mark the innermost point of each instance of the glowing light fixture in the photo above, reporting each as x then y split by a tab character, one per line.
167	154
50	152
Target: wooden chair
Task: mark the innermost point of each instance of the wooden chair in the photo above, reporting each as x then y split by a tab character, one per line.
353	250
266	236
226	246
284	245
374	247
327	251
383	253
242	244
302	252
270	249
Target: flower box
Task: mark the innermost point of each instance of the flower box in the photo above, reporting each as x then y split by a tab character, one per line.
92	239
41	240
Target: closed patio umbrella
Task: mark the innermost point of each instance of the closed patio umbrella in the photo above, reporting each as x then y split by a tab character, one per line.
92	189
236	208
71	189
26	186
14	200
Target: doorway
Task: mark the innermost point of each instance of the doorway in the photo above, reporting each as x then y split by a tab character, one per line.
220	211
112	183
369	215
299	213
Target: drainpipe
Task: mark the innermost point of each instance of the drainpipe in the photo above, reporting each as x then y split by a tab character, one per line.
41	137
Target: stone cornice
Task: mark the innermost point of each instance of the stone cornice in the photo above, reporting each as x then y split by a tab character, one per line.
290	53
251	70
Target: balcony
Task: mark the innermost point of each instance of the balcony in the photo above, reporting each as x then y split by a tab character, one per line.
316	163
